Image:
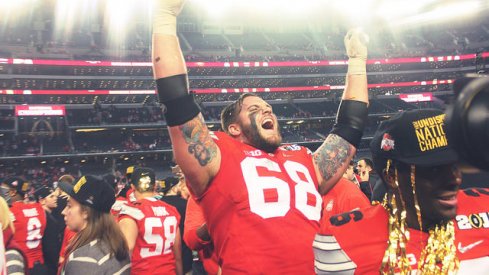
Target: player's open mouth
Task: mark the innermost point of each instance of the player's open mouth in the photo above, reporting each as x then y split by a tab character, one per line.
448	199
267	124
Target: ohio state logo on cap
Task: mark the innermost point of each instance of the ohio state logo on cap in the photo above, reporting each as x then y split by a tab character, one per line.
387	143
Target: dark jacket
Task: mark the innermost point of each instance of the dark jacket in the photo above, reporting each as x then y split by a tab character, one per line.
181	205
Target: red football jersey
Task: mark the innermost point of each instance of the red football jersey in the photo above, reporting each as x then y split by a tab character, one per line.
194	219
29	222
356	241
117	206
343	197
262	210
157	224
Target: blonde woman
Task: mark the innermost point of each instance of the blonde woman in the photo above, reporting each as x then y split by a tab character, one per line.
14	258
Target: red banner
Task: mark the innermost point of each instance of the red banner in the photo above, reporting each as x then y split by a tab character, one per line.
40	110
224	90
422	59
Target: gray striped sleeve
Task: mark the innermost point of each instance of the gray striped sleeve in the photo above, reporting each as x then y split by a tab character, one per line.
15	262
93	259
329	258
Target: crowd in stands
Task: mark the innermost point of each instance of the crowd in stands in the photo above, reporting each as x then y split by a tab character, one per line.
113	115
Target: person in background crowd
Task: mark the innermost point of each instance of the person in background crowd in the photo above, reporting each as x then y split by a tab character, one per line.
127	191
29	219
150	228
177	196
365	168
99	246
350	174
425	225
15	260
260	199
196	236
63	201
14	190
119	200
343	197
53	235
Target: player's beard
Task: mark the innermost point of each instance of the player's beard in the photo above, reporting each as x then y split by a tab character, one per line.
254	137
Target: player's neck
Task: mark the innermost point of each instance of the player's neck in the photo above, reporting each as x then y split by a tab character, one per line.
47	209
144	195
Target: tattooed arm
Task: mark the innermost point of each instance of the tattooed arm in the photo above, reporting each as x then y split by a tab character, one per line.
331	161
196	153
332	158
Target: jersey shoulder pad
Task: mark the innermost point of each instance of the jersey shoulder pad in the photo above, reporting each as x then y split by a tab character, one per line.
290	147
132	212
214	135
118	204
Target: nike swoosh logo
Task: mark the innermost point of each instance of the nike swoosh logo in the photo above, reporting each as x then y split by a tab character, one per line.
466	248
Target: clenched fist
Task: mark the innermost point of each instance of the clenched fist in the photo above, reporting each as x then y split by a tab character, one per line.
172	7
356	44
356	48
165	14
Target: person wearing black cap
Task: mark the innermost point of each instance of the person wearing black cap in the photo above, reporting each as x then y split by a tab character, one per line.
15	188
98	246
46	197
57	213
29	221
53	235
176	194
425	224
150	227
126	191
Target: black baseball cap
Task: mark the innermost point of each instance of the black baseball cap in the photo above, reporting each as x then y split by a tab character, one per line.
144	179
42	192
112	180
92	191
20	185
130	170
168	183
413	137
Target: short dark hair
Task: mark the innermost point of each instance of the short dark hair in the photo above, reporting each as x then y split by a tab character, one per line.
230	113
368	162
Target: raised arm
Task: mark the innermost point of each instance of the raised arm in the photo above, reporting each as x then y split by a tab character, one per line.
331	159
193	147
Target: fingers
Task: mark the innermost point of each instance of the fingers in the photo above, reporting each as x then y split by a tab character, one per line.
356	43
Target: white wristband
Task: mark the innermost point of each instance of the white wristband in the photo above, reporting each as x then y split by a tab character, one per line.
165	24
357	66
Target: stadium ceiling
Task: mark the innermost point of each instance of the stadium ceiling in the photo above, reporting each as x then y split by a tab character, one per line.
119	13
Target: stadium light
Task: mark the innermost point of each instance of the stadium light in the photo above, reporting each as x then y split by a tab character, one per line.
118	14
9	5
68	12
214	8
393	10
275	9
357	12
447	11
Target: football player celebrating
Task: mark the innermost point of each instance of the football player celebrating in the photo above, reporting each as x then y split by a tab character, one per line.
151	228
260	199
425	224
29	221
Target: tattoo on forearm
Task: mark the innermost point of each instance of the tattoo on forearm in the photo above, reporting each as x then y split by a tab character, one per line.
332	155
200	143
